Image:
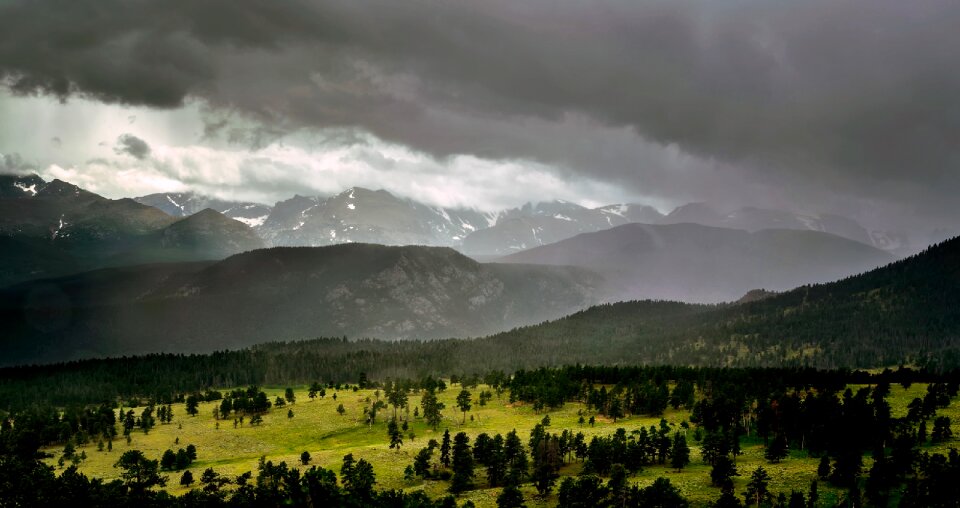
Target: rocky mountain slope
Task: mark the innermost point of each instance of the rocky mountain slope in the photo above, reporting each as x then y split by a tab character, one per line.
54	228
358	290
363	215
183	204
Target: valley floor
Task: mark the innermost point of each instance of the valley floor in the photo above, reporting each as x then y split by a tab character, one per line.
316	427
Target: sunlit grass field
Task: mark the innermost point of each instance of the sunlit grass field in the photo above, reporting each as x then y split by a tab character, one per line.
318	428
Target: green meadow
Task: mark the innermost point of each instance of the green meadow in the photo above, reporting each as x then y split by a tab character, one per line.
316	427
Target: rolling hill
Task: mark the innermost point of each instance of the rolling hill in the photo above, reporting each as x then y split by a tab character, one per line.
906	312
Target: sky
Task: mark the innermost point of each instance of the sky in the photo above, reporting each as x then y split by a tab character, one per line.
840	106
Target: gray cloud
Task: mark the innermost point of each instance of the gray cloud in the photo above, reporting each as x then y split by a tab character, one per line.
14	164
683	98
132	146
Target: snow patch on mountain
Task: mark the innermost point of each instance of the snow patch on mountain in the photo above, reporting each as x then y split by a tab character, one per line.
252	221
28	189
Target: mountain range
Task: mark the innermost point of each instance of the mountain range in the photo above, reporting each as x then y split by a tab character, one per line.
55	228
363	215
533	225
377	216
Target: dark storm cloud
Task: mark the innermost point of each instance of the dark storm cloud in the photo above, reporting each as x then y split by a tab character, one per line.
132	146
851	96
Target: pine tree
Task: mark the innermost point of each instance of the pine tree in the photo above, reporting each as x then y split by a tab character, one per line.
757	492
619	489
680	453
546	463
397	397
168	460
823	469
777	449
727	497
358	478
462	464
847	468
445	449
510	497
192	403
797	500
516	457
941	430
396	437
212	481
138	473
723	471
421	462
463	403
813	495
496	461
431	409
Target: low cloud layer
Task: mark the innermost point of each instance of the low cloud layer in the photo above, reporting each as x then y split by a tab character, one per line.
278	172
834	103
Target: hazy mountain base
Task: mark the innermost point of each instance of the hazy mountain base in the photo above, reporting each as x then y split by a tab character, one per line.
694	263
